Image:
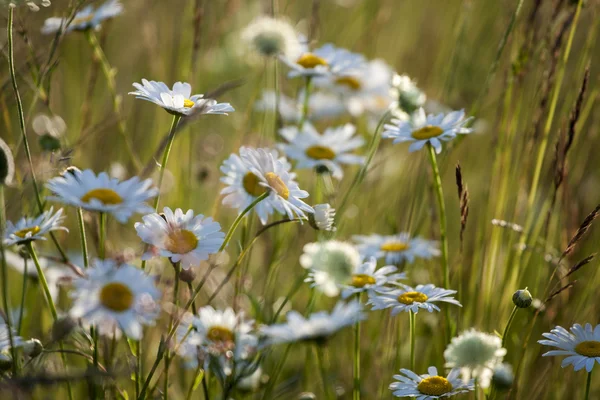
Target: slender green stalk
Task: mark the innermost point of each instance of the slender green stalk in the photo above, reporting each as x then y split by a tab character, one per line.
413	337
165	158
508	325
102	236
356	388
95	360
267	395
177	267
588	385
322	371
239	218
23	296
306	102
138	367
84	247
277	96
43	280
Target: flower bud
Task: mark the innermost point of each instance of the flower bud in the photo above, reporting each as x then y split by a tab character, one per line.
522	298
33	348
503	377
323	218
187	275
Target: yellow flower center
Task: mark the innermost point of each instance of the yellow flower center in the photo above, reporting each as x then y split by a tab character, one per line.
434	386
106	196
252	185
116	297
409	298
590	348
220	334
320	153
349	81
394	246
187	103
427	132
23	232
181	241
309	60
361	280
277	185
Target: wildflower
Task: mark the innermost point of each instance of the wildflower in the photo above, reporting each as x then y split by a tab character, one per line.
323	218
30	229
430	385
412	299
367	278
273	175
408	96
321	105
329	150
115	297
183	238
102	194
396	248
5	338
476	354
272	37
522	298
318	326
325	60
178	101
422	129
87	18
581	345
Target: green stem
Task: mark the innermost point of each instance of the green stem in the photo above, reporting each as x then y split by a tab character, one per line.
177	268
95	360
306	103
588	385
102	236
84	247
356	390
267	395
43	280
23	296
165	158
508	325
413	337
239	218
138	367
323	372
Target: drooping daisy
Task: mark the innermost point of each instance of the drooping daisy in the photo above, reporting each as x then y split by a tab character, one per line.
87	18
284	193
318	326
102	194
476	354
430	385
396	248
330	150
330	265
323	219
407	95
29	229
184	238
407	299
5	338
178	101
243	187
581	345
321	105
115	298
367	278
325	60
272	37
422	129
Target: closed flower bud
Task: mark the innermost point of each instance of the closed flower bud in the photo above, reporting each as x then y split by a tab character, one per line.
33	348
323	218
522	298
187	275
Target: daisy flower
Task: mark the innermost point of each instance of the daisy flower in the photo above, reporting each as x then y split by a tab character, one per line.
396	248
367	278
407	95
284	193
318	326
29	229
325	60
476	354
5	337
330	150
87	18
243	187
330	265
422	129
178	101
581	345
102	194
272	37
430	385
115	297
323	219
183	238
408	299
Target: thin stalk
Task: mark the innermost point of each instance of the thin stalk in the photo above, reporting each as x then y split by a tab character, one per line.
84	247
413	337
165	158
23	295
322	371
168	353
587	386
95	360
277	96
43	280
356	389
239	218
190	391
508	324
138	367
102	236
306	102
267	395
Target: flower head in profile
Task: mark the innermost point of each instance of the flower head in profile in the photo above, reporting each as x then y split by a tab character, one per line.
366	277
5	338
318	326
409	98
115	298
422	129
396	248
407	299
429	386
182	237
87	18
29	229
101	193
272	174
179	100
325	60
323	219
272	37
476	354
581	345
334	148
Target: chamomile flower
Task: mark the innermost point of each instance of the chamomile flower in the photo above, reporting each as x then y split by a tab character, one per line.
407	95
179	100
581	345
430	385
422	129
367	278
407	299
115	298
396	248
284	193
476	354
101	193
325	60
272	37
330	265
87	18
243	187
330	150
318	326
29	229
323	219
186	238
